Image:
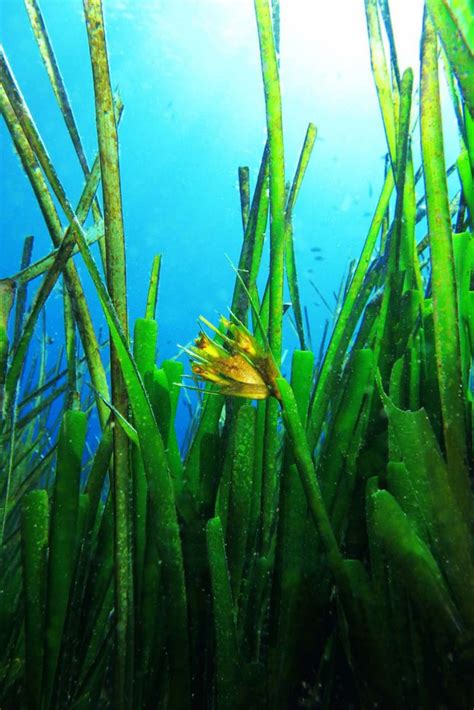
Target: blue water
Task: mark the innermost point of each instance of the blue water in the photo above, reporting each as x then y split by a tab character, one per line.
189	76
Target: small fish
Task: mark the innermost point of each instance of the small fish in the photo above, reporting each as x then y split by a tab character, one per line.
346	203
315	249
319	258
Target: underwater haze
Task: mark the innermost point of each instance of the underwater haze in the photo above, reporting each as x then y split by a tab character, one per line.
236	354
188	75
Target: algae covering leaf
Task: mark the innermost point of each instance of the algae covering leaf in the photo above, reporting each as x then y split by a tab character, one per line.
414	562
447	518
160	488
62	539
445	313
34	533
224	617
453	22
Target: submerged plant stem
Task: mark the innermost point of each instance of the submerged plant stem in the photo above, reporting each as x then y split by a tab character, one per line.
57	84
271	83
40	188
116	283
446	326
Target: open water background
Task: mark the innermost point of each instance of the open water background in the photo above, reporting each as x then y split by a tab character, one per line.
189	76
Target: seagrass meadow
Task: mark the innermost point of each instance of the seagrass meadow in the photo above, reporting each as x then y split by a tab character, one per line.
309	542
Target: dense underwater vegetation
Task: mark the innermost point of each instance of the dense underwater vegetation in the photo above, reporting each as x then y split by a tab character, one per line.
310	542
